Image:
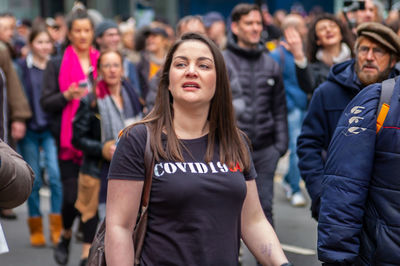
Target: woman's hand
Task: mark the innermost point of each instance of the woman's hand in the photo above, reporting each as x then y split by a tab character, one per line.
74	92
18	130
109	149
293	43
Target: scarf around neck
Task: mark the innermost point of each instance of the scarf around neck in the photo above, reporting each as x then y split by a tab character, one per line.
113	119
344	55
71	72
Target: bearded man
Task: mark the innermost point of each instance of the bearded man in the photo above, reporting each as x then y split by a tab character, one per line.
377	50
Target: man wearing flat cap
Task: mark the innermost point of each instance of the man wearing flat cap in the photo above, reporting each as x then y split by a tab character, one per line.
359	220
377	50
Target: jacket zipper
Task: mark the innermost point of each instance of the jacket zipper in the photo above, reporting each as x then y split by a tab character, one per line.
253	96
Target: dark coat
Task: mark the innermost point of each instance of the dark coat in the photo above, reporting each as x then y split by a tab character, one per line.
87	132
52	99
264	119
313	75
326	106
359	219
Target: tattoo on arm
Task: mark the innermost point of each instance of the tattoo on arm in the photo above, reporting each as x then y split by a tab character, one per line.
266	249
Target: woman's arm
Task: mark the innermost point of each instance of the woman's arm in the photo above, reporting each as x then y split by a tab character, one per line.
257	232
123	201
52	100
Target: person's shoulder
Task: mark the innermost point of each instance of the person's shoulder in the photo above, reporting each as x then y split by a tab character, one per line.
368	95
137	132
56	60
328	87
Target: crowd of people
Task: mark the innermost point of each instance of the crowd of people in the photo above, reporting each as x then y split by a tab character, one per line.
222	103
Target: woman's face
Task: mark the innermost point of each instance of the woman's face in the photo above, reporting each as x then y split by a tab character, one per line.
328	33
111	68
192	75
81	34
156	43
42	46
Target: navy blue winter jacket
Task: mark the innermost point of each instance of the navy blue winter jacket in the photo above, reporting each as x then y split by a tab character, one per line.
326	106
359	221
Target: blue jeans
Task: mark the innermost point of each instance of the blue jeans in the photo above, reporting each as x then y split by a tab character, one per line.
29	147
295	121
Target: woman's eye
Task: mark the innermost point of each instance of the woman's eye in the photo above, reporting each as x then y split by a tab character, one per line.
203	66
180	65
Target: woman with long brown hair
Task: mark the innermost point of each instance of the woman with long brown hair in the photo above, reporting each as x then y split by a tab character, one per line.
203	195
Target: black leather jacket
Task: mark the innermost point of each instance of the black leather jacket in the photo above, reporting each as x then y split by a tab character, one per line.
87	136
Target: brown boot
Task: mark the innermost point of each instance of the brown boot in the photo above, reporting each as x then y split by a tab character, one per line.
55	224
36	229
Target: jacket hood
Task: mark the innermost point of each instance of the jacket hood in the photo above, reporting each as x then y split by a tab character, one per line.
345	75
234	47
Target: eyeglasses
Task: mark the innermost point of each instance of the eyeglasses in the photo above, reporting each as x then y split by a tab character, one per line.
109	66
376	51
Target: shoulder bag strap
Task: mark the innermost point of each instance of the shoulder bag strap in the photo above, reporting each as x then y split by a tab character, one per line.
384	102
149	165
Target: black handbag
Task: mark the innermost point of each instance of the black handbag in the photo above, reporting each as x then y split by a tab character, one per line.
97	251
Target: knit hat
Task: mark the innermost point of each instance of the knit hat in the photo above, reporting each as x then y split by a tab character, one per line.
212	17
103	26
380	34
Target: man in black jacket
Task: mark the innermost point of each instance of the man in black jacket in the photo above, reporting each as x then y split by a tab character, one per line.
264	118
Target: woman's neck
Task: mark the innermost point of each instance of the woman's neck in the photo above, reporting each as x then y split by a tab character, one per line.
159	54
39	61
332	50
115	90
82	54
190	123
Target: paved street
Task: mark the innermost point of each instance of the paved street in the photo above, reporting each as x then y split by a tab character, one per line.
295	228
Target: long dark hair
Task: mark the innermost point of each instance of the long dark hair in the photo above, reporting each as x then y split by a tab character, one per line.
312	47
222	126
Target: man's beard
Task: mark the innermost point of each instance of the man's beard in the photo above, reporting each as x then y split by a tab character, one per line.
367	79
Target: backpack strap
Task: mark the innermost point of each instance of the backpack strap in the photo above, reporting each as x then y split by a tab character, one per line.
384	102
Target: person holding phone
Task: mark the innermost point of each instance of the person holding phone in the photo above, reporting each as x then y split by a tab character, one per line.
61	94
102	114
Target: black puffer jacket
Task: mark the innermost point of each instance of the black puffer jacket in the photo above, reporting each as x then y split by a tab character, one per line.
264	119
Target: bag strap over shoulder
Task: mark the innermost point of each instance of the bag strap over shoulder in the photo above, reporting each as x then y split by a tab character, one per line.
384	101
149	166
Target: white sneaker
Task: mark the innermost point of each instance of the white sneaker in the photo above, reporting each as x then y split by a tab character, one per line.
287	189
298	200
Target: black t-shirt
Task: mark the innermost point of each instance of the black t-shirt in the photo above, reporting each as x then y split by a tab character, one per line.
195	207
